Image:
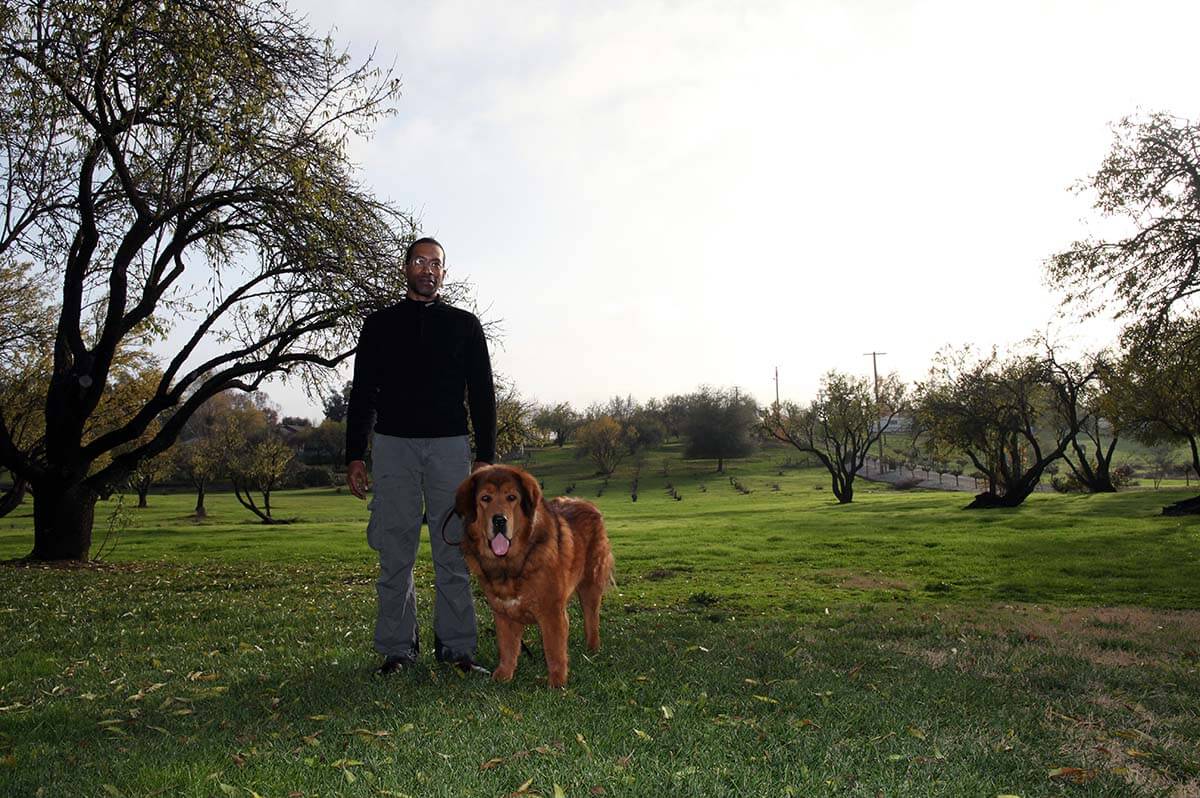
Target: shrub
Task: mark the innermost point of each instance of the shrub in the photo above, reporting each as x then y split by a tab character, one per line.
312	476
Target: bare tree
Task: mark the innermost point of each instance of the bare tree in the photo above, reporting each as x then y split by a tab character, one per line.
165	182
1151	180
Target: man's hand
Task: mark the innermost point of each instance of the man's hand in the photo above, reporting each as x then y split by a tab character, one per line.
356	478
478	464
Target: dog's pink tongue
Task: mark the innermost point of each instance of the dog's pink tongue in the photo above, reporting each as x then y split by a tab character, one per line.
499	545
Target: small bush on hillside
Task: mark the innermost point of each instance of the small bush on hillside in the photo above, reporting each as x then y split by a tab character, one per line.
908	483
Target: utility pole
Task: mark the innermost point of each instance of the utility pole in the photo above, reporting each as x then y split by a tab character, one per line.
878	415
777	385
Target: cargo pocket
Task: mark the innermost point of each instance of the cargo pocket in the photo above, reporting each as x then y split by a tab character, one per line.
372	525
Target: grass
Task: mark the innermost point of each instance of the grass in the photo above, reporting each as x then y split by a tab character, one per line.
770	642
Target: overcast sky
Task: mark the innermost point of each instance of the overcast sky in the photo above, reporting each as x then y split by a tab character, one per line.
652	196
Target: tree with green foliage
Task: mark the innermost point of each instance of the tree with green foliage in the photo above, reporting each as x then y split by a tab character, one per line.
1158	388
560	420
1007	415
840	426
337	402
1087	399
180	167
719	424
515	427
602	440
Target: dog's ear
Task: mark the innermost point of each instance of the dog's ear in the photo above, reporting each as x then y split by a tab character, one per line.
464	499
531	494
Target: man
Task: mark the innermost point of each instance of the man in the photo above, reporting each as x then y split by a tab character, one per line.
414	363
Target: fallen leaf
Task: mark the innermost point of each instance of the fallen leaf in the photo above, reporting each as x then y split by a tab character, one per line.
579	739
1073	775
766	699
667	712
558	792
915	732
641	735
228	789
491	763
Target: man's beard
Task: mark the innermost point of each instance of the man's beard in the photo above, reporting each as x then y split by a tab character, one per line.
421	289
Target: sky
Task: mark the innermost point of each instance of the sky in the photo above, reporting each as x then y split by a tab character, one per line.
651	196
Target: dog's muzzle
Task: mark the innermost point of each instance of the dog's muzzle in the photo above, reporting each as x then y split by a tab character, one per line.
500	540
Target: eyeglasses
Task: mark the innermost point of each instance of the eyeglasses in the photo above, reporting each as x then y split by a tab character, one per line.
432	263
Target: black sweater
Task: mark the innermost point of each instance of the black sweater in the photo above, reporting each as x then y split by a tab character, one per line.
413	364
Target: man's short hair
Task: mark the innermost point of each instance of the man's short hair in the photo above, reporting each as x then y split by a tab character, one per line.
408	250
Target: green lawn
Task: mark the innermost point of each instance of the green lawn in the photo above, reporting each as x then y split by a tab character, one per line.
768	643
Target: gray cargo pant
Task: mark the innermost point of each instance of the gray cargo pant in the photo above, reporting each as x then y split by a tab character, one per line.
405	471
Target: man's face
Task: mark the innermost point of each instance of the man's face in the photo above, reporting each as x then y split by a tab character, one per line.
424	271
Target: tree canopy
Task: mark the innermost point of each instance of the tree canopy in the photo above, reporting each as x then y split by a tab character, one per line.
182	168
840	426
1150	184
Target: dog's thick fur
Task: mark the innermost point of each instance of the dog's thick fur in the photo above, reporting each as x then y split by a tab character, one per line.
557	548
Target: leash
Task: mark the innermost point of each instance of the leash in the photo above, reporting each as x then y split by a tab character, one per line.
450	515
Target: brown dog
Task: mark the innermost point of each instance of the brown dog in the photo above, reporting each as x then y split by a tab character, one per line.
530	555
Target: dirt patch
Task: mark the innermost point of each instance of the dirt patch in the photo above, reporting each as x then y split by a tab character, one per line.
659	574
851	580
933	657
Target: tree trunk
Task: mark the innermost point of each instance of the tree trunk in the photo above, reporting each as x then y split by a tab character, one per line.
989	500
143	488
1186	507
200	511
13	497
63	514
720	465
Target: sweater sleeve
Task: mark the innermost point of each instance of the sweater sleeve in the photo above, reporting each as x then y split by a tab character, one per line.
481	394
360	412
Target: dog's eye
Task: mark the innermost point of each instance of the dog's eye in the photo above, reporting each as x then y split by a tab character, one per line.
485	498
511	497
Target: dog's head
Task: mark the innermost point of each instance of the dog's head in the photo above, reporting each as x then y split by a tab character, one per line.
497	505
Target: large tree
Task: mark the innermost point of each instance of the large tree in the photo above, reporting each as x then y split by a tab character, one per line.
840	426
1005	414
1148	191
180	167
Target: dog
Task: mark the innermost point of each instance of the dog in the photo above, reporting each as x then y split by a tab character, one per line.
530	555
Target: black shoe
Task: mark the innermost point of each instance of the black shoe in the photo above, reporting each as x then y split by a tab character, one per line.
468	665
396	663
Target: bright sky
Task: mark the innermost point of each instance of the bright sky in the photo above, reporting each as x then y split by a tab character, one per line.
652	196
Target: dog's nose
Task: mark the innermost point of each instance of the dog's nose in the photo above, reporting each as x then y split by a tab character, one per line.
499	523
